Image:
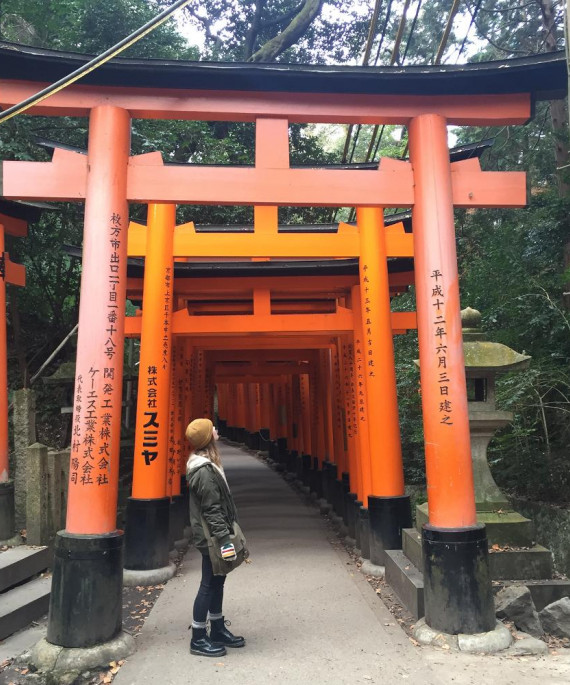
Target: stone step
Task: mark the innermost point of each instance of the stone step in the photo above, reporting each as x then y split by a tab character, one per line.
505	528
406	581
521	564
20	563
412	547
543	592
23	604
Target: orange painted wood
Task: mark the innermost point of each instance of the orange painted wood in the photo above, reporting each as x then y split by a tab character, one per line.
94	464
377	351
451	498
184	324
151	433
15	227
360	402
142	103
15	273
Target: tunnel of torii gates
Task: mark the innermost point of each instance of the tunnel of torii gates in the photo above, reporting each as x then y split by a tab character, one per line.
306	360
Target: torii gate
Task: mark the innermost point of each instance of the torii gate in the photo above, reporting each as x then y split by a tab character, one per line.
426	100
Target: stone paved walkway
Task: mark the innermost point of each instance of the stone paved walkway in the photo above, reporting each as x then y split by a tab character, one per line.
307	613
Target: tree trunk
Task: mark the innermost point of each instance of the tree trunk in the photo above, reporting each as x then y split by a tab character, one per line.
558	115
557	107
290	35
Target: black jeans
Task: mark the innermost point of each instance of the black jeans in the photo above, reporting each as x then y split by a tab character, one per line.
210	593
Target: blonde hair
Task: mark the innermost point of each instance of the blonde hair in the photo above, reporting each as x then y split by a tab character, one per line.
211	452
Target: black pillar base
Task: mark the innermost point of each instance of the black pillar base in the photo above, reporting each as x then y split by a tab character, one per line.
388	515
306	469
338	496
458	595
357	528
86	590
332	472
292	457
7	518
176	519
317	479
364	521
282	450
185	492
345	480
146	533
222	427
351	514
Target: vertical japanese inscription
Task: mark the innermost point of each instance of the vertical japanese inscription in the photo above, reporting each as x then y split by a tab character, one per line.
439	330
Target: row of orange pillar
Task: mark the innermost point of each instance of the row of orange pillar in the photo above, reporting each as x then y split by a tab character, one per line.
372	456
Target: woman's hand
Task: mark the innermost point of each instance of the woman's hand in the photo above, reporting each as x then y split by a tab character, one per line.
228	552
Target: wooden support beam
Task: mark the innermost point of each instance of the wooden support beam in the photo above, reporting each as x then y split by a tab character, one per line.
325	108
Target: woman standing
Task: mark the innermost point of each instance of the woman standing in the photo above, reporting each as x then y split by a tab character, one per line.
211	505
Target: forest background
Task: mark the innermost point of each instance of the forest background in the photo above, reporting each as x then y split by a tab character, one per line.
514	264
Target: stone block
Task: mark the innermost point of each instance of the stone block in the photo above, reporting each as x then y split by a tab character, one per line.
24	425
37	514
20	563
406	581
544	592
412	547
506	528
555	618
23	604
515	604
525	564
55	492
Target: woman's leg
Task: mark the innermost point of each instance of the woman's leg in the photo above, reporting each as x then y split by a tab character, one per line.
216	597
200	644
204	596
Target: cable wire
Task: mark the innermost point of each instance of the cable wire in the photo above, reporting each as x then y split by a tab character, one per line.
92	64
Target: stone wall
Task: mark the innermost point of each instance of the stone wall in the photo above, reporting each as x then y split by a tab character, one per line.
552	526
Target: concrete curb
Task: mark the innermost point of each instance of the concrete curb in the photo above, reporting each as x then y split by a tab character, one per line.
132	578
370	569
493	641
66	663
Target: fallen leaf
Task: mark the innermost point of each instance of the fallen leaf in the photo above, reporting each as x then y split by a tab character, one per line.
24	671
113	664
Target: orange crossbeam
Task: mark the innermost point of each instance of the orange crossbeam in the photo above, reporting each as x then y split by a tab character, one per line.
282	324
65	178
143	103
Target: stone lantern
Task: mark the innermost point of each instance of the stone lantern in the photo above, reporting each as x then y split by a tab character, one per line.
484	361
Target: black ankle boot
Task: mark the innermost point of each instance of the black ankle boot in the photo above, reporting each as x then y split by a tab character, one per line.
220	635
201	644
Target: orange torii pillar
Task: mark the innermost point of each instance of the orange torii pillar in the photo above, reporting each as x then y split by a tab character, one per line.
176	467
86	594
147	517
360	464
8	534
457	584
388	506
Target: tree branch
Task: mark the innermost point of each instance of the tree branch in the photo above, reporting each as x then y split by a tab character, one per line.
254	29
290	35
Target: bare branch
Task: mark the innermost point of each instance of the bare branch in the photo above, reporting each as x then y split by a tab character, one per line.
290	35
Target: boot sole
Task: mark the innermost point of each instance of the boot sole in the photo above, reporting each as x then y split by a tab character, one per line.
198	653
230	646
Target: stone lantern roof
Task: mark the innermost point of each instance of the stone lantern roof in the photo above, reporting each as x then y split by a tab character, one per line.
482	355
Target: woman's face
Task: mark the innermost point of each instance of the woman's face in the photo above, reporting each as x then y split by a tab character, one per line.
215	434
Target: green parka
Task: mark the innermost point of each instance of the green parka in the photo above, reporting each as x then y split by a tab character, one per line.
210	497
